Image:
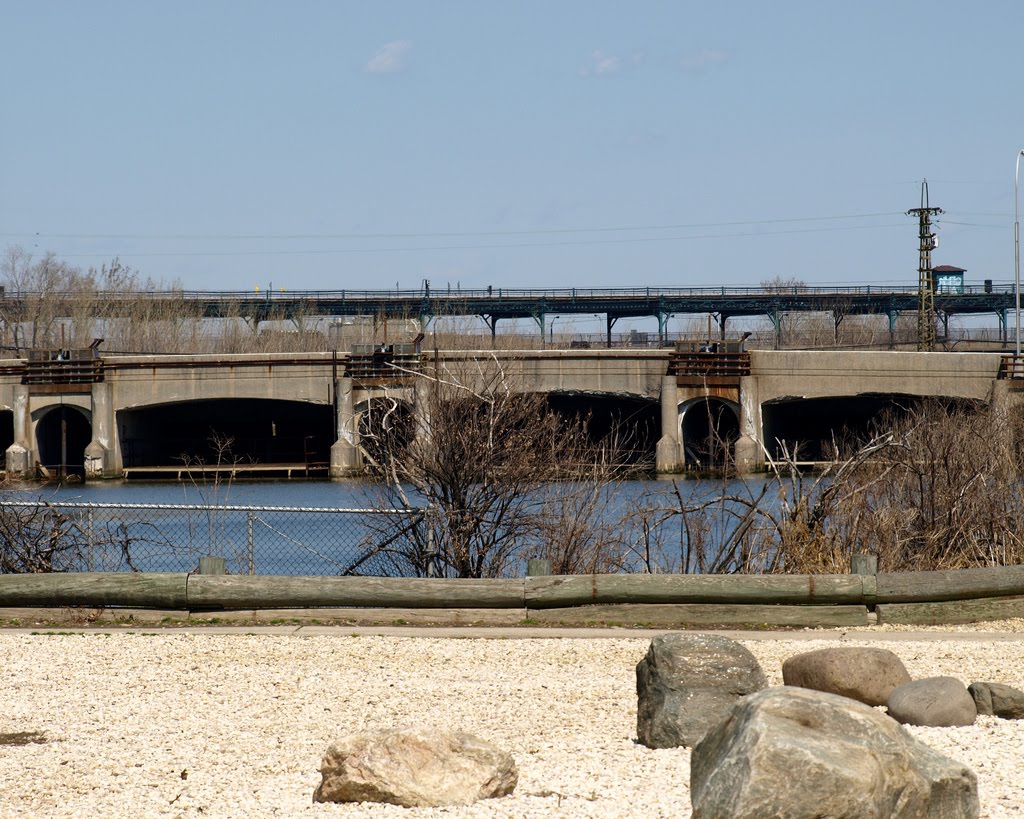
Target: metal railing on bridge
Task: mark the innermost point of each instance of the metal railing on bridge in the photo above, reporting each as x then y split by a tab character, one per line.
370	364
1012	367
711	363
61	371
500	294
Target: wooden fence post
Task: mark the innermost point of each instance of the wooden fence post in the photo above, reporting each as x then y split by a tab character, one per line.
538	567
212	565
864	564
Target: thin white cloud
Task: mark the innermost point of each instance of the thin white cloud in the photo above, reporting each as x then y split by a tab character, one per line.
602	65
703	59
390	58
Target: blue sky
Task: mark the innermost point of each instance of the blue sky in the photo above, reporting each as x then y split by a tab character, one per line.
325	145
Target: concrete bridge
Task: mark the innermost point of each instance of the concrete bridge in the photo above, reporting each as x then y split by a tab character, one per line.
306	414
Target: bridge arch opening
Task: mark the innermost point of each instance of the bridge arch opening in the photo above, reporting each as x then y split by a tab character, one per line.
62	434
6	430
632	425
813	425
708	429
233	431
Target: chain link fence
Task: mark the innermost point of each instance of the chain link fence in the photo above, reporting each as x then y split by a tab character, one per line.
39	537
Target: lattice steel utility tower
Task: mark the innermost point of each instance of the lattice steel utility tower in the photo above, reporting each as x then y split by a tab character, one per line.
925	276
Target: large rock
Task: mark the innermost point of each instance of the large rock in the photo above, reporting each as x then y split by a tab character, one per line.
415	768
867	675
686	683
799	753
939	702
997	699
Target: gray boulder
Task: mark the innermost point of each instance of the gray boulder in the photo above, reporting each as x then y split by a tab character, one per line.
939	702
415	768
995	699
800	753
686	683
867	675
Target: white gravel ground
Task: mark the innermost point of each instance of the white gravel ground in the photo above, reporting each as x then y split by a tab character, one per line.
234	725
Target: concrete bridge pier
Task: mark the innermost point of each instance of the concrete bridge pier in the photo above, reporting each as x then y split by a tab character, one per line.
100	457
19	454
748	451
668	457
346	456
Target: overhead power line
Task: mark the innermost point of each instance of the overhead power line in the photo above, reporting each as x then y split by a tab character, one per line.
969	224
423	248
430	235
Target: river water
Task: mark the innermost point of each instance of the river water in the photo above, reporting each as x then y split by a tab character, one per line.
355	493
334	494
277	540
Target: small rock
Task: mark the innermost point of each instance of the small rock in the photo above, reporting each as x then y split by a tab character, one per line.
867	675
800	753
415	768
996	699
686	683
938	702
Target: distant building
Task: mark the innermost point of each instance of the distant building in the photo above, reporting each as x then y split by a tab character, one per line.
947	278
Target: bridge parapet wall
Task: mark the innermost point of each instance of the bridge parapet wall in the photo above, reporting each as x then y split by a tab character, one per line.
821	374
140	381
633	373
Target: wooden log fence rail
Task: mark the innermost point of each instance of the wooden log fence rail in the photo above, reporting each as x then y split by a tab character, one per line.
938	597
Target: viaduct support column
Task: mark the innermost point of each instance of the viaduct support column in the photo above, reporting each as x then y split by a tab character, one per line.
669	453
748	451
19	454
346	458
100	457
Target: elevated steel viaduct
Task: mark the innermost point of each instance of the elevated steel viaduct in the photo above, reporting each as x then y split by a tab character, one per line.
493	304
305	414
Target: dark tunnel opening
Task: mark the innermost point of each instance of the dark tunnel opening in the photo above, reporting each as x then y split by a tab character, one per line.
813	424
632	424
710	428
228	431
62	435
6	430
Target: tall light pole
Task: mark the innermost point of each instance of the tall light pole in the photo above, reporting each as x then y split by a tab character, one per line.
1016	256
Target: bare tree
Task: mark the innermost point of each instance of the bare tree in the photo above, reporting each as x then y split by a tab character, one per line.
33	318
946	494
501	477
51	303
783	284
936	487
37	538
